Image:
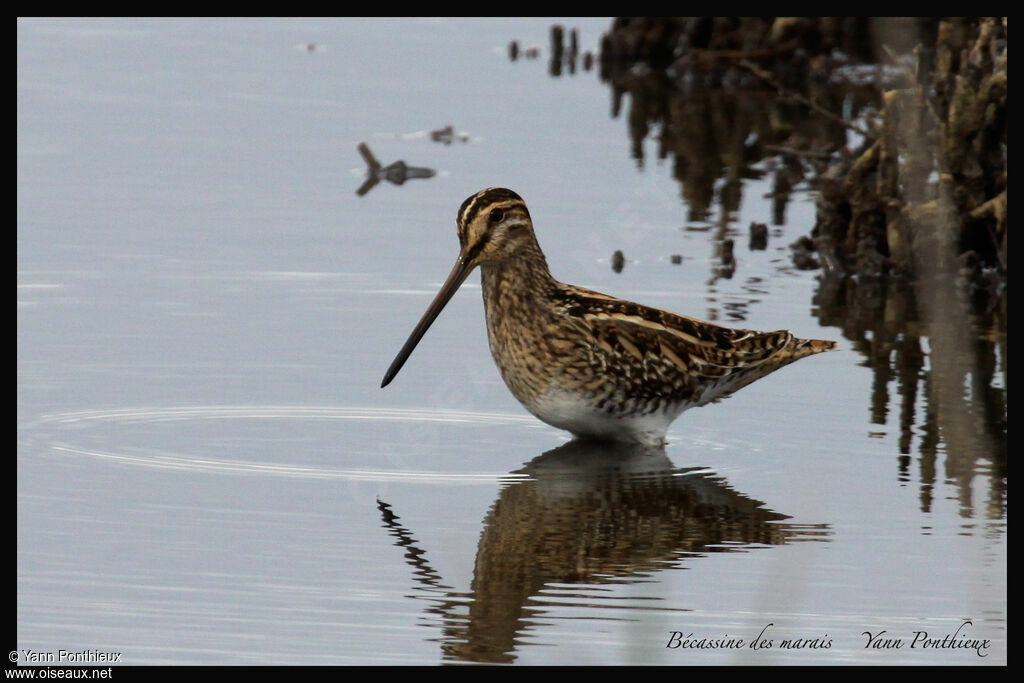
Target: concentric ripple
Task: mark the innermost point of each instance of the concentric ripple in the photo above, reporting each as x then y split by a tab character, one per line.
282	412
64	433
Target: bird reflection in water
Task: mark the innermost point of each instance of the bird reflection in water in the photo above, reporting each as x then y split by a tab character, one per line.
588	513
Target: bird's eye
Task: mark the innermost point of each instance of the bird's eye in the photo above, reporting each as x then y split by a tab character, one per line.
497	215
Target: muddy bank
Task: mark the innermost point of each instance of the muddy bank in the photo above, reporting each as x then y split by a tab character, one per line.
900	124
706	51
926	194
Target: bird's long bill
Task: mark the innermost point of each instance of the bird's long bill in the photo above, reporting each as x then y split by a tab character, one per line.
450	286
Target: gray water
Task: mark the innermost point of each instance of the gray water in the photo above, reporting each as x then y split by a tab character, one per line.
209	473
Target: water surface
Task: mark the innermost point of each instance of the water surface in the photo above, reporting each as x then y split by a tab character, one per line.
208	472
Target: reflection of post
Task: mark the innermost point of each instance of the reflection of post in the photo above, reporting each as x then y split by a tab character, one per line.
950	390
909	363
559	54
557	51
574	46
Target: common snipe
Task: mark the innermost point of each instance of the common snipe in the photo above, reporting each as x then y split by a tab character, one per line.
597	366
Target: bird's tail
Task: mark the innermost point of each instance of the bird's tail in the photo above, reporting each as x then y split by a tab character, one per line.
809	347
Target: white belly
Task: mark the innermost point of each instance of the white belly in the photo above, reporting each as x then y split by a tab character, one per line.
568	411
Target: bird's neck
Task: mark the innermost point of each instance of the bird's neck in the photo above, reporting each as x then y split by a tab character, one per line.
524	275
